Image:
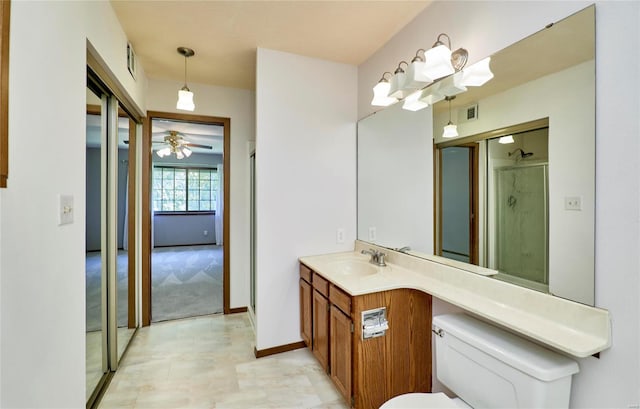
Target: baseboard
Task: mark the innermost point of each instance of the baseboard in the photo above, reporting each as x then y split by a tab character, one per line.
279	349
237	310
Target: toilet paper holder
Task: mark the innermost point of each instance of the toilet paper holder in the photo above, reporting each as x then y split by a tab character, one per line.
374	323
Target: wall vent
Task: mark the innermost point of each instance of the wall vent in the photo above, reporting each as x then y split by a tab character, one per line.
131	60
470	113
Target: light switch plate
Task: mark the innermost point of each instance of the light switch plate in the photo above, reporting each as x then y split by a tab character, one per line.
65	209
372	234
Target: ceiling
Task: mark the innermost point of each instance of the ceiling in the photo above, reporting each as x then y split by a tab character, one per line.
226	34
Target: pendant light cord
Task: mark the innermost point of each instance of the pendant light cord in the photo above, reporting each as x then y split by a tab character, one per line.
185	73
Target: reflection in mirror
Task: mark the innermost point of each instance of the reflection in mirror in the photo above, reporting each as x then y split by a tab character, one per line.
125	218
95	266
544	81
385	216
517	188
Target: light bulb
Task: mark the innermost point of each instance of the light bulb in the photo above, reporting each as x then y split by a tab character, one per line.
185	100
414	103
381	94
450	131
438	62
163	152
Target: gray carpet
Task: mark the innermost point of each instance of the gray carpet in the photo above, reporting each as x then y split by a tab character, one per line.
186	282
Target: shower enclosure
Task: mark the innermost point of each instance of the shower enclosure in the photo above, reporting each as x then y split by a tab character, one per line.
521	223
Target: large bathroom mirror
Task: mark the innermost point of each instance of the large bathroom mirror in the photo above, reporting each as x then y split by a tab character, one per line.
522	211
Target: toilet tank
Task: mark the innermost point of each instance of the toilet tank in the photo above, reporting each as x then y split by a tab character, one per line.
488	367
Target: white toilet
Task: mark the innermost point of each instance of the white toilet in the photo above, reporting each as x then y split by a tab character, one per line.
488	367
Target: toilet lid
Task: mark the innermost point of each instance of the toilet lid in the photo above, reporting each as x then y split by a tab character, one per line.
421	401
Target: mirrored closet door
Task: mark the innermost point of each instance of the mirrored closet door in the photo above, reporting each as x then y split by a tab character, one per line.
111	317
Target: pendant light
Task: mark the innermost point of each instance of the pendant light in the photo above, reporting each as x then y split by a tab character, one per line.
185	96
450	130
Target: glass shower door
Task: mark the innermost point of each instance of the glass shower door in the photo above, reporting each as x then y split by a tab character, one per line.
521	222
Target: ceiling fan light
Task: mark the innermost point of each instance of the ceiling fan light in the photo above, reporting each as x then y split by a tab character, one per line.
163	152
186	151
438	62
477	74
179	154
450	131
185	100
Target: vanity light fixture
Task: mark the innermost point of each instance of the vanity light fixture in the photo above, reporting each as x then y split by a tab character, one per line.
432	94
450	130
506	139
440	61
428	67
477	74
415	76
398	88
381	96
185	96
414	102
451	85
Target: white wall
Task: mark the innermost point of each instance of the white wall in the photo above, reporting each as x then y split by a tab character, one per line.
237	104
305	178
42	299
486	27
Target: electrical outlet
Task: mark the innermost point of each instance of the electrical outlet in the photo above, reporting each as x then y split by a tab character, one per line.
340	235
206	232
372	234
572	203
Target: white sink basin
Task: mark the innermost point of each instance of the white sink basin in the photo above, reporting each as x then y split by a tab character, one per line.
353	267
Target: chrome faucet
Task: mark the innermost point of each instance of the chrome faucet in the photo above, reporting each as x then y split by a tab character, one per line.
377	257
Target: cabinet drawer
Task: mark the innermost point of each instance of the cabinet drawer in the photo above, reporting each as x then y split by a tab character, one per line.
320	284
305	273
340	299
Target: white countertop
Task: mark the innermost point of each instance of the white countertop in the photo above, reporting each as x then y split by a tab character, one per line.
576	329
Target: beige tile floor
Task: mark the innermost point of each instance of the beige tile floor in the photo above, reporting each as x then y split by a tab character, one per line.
208	362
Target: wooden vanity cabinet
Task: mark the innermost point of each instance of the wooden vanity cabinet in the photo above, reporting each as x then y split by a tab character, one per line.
305	304
320	320
368	372
340	351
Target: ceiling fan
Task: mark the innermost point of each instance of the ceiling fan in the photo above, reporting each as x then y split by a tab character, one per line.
177	144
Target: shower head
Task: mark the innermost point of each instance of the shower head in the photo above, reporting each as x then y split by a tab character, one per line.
523	154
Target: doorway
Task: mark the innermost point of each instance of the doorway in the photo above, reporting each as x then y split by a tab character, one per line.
458	203
185	260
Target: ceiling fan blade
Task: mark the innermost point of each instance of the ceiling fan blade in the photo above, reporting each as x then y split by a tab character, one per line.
196	145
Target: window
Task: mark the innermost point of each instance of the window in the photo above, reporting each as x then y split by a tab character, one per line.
184	189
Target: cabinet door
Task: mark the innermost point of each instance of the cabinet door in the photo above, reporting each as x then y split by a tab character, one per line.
320	342
305	312
341	341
